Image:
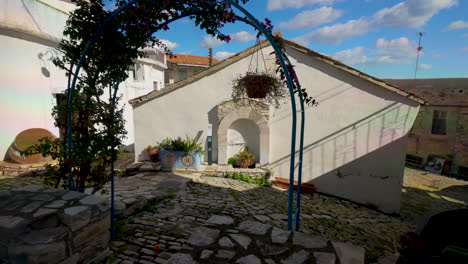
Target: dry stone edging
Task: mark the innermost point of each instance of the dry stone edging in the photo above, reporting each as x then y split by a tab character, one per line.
46	225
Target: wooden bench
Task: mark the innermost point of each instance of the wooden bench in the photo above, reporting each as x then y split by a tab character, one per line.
414	161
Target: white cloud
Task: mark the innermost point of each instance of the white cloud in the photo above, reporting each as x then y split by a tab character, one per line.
187	52
213	42
312	18
282	4
465	48
210	42
400	48
425	66
352	56
243	36
395	51
221	55
460	24
337	33
169	44
411	13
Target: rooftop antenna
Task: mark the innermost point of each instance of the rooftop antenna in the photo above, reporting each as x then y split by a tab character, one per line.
419	48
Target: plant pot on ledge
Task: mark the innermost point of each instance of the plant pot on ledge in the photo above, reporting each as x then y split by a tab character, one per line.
179	159
153	153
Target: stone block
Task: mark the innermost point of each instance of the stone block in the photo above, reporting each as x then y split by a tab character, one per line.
279	236
43	253
88	233
44	236
72	195
29	188
97	245
10	222
348	253
253	227
76	217
28	208
306	241
100	202
203	236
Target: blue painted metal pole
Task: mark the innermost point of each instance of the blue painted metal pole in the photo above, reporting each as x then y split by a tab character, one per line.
293	105
112	200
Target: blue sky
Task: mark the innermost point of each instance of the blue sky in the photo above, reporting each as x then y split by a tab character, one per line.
378	37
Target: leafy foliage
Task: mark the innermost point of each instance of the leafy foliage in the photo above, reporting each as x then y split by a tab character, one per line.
97	122
245	155
179	144
232	161
261	181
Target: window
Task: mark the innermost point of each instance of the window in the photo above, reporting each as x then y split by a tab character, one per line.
439	123
155	86
133	73
182	75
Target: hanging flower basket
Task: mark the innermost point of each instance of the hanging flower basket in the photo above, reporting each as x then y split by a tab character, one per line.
258	85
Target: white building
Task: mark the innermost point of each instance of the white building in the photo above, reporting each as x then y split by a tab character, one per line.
30	30
355	139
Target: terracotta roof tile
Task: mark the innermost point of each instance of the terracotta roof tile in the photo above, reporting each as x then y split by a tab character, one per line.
191	59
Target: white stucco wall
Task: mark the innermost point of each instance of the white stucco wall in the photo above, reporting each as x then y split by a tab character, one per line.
26	91
132	88
355	139
32	27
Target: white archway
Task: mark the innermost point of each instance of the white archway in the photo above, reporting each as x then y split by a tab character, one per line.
232	121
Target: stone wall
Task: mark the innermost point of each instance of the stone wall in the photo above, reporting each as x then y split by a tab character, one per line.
422	143
9	169
45	225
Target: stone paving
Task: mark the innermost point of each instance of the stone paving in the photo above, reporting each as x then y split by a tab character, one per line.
196	201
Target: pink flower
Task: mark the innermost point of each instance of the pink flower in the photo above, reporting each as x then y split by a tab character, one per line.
227	38
166	27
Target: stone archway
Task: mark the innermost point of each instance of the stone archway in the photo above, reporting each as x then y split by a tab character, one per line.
235	118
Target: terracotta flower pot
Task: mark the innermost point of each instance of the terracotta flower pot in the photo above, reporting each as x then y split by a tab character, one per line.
245	163
153	154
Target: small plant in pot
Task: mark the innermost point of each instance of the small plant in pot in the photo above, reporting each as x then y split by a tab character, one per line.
245	158
153	153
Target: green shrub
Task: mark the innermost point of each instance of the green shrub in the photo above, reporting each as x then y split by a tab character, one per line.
179	144
232	161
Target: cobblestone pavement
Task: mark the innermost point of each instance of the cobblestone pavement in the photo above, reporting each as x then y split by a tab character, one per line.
426	194
331	218
217	220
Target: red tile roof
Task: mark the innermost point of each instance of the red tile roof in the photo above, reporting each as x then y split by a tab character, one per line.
191	59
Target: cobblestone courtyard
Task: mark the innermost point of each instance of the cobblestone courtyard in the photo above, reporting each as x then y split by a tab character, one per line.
191	200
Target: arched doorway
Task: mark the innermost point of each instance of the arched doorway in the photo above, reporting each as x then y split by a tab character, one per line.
242	134
243	127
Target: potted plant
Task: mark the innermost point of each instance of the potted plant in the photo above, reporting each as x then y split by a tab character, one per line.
264	86
245	158
180	153
153	153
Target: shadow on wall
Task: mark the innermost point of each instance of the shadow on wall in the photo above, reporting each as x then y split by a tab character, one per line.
363	161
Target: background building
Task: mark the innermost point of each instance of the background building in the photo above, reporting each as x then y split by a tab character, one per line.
441	127
181	67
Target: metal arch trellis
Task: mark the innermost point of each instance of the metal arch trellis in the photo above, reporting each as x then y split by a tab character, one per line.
284	63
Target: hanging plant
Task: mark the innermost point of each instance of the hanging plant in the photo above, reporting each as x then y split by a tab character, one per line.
259	85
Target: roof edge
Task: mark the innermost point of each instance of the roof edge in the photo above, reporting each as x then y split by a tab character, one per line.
238	56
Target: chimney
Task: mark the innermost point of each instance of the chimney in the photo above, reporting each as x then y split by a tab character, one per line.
210	59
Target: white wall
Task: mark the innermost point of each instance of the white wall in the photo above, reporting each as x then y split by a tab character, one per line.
132	88
27	82
355	139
